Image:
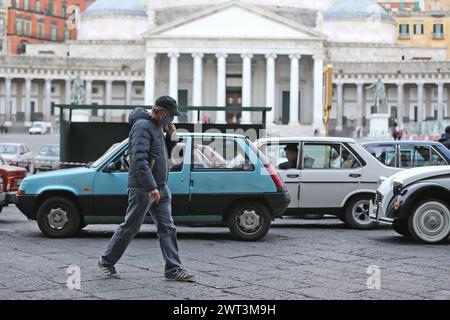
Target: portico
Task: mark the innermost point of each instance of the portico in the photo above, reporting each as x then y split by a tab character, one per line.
250	49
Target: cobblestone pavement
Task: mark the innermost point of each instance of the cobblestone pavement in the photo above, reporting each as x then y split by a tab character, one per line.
298	259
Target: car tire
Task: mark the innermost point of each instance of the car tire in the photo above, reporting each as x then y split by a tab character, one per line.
401	227
357	213
249	221
1	208
429	221
58	217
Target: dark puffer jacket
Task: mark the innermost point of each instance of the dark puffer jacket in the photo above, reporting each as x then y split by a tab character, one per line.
148	149
445	140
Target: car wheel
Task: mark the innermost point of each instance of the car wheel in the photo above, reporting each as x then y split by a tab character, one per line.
249	221
430	221
401	227
58	218
357	213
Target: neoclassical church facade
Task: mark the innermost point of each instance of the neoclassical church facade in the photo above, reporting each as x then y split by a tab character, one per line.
232	53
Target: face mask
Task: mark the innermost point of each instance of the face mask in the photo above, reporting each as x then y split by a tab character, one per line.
168	120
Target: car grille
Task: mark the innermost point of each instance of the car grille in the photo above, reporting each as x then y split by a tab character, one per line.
378	198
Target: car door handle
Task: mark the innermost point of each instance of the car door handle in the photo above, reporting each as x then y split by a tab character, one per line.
292	176
355	175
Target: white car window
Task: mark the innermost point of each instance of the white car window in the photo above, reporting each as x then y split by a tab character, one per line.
282	155
8	149
386	154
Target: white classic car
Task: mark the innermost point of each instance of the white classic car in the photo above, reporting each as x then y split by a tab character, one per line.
416	202
327	175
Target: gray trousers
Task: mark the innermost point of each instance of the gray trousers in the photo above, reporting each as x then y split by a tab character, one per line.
139	203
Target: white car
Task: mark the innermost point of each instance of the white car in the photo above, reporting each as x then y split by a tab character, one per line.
38	128
327	176
416	202
17	154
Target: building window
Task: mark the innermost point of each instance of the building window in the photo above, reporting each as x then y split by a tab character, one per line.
16	4
54	32
51	7
18	25
438	31
38	5
138	91
66	33
40	32
64	8
2	25
404	31
26	4
28	26
418	28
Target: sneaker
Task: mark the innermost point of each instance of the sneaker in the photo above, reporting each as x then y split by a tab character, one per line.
179	275
109	271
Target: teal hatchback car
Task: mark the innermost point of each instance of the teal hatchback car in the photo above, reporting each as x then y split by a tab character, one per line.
215	179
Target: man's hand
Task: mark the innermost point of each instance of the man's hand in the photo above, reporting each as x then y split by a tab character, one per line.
171	129
154	194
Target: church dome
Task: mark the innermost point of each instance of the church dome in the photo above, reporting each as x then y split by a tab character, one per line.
114	20
362	21
357	10
102	8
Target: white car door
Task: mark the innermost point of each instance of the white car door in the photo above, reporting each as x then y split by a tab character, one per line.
288	170
329	173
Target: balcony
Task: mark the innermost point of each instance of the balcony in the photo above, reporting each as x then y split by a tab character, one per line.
438	36
404	36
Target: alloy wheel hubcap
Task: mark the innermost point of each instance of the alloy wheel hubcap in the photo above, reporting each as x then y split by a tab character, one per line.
361	212
58	218
249	221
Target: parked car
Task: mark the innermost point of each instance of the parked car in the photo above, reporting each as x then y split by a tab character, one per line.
233	186
38	128
327	176
416	202
2	196
17	154
47	159
11	178
409	154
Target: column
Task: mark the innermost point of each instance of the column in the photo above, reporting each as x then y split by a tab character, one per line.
108	99
360	105
246	86
88	92
129	92
8	85
340	105
420	103
270	86
400	104
440	104
48	99
173	78
27	108
150	79
221	85
197	85
318	93
68	91
294	89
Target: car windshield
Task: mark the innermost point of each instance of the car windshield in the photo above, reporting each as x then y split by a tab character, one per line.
106	155
8	149
37	125
48	150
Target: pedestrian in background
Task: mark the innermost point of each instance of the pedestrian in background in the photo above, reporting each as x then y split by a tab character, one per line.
445	138
147	188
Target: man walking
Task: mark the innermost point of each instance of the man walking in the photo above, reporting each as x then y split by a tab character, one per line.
147	188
